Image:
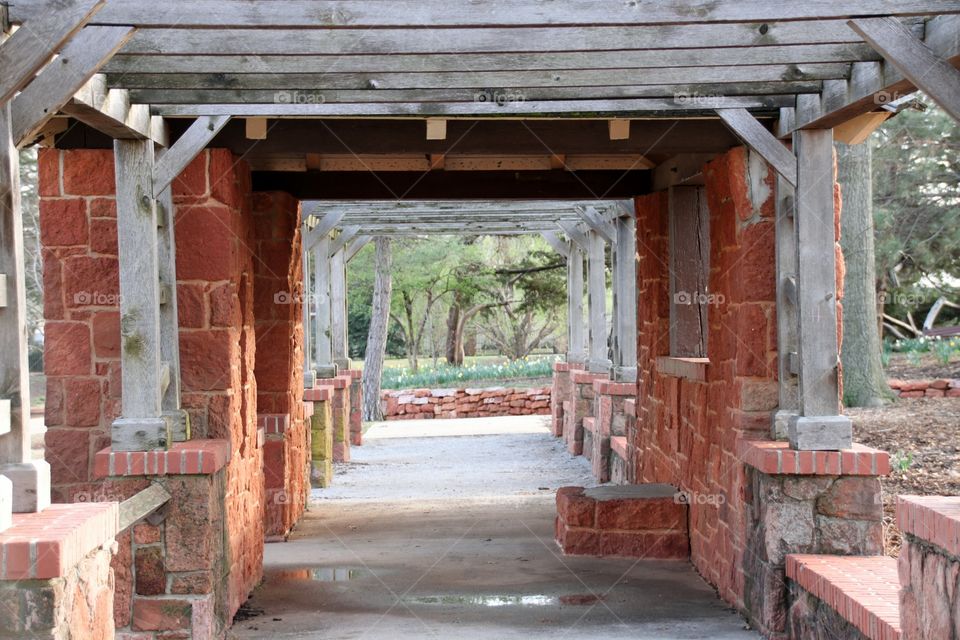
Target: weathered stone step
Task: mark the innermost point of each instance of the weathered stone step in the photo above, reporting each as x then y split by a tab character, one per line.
636	521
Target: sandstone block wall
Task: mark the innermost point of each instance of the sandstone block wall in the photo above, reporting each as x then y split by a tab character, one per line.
417	404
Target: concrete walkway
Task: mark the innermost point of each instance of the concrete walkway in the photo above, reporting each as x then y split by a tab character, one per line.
432	532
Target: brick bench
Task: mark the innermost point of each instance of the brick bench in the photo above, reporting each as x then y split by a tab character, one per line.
636	521
851	596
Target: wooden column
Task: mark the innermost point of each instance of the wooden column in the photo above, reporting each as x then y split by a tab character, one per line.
309	375
786	309
597	303
819	425
338	309
689	256
323	343
169	322
142	425
576	341
24	483
625	300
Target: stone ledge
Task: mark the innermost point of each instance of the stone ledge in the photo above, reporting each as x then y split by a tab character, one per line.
47	544
586	377
935	519
690	368
777	458
614	388
590	424
864	590
630	407
320	393
355	374
273	423
183	458
938	388
562	367
618	445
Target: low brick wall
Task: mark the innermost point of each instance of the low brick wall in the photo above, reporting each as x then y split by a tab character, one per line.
940	388
929	566
414	404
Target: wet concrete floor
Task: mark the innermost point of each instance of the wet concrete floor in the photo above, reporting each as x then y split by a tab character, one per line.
460	545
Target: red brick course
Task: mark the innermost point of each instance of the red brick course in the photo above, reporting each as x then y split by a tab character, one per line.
939	388
413	404
183	458
863	590
778	458
935	519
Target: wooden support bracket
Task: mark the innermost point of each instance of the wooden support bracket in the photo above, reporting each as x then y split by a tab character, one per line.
756	136
598	223
175	159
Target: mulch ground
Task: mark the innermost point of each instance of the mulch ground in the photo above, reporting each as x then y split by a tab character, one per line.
924	366
922	436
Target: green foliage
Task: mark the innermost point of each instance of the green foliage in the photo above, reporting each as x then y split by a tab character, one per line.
944	350
901	461
403	378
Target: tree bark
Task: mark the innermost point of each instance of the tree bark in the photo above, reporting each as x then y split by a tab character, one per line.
864	381
454	336
377	336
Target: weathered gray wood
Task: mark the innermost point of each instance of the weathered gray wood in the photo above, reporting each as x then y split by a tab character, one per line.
326	224
576	340
305	82
169	321
347	233
175	159
916	61
483	39
463	13
625	300
689	260
765	95
354	247
338	308
110	111
558	245
142	504
82	57
758	138
597	223
597	303
400	63
24	53
817	294
309	374
323	345
577	237
141	426
787	320
530	108
6	503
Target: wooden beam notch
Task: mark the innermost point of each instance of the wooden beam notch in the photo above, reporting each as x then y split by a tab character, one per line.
619	129
436	129
256	128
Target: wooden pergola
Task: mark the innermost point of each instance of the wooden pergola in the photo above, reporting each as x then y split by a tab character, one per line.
592	100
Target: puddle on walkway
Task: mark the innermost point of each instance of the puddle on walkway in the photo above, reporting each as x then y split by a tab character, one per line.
319	574
479	600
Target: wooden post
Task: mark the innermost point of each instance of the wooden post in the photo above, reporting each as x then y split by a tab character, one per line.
309	374
820	425
576	344
28	489
142	425
786	308
597	303
689	255
338	309
323	347
625	300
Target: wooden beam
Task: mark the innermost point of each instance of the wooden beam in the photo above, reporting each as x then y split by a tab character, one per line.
758	138
142	504
141	426
787	319
111	112
61	79
576	341
858	129
436	129
625	300
560	246
309	374
346	234
169	318
915	60
598	361
355	246
256	128
322	229
689	256
619	129
598	223
323	338
174	160
820	425
24	53
338	308
577	237
368	14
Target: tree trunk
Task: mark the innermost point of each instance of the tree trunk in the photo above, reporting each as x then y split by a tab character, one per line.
377	336
864	381
454	337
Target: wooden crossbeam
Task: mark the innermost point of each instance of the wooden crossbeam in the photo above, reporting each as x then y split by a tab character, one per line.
111	112
915	60
366	14
758	138
82	57
560	60
577	237
347	233
142	504
355	246
30	47
175	159
559	245
598	223
314	234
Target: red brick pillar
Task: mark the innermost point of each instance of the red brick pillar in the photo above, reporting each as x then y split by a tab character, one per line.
340	405
356	407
